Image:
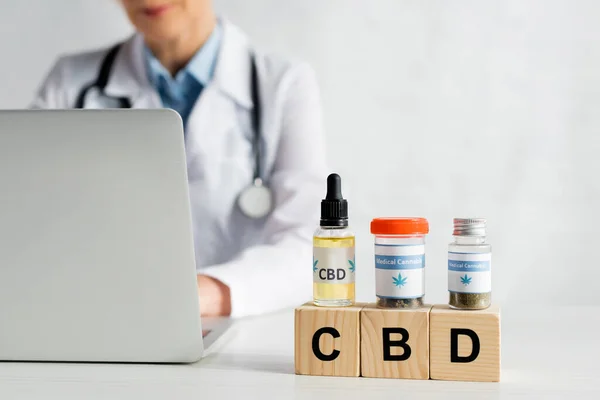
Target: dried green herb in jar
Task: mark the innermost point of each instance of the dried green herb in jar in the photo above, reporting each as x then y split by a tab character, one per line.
399	303
472	301
469	265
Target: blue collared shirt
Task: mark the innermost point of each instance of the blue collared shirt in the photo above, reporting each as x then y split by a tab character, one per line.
181	92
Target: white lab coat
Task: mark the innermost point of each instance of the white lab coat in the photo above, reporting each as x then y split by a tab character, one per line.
267	262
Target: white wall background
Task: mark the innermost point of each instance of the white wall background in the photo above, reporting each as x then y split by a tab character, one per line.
433	108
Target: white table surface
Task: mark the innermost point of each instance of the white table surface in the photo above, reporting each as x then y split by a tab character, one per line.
546	353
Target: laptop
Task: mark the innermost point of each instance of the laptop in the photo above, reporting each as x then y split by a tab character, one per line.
96	250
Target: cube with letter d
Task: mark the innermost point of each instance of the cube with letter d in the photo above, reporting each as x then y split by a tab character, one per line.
465	344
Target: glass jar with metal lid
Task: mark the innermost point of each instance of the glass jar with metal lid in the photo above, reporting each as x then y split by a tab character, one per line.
469	265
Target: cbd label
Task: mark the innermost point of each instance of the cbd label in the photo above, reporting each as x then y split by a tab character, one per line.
333	265
400	271
470	272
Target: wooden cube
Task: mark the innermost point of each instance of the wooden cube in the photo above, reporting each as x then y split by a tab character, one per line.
465	345
327	340
394	342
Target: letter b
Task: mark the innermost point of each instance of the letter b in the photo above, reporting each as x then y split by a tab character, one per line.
388	343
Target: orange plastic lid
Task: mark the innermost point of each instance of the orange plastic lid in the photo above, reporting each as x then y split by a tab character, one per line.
399	226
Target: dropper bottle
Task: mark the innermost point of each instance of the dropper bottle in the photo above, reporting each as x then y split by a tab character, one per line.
333	251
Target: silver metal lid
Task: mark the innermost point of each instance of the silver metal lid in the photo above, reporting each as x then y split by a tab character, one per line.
469	227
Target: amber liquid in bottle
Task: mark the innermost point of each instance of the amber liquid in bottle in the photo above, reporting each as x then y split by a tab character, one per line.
332	293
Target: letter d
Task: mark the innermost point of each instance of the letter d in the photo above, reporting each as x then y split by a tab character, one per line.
454	357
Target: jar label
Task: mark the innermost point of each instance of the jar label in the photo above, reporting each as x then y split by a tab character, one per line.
470	272
333	265
400	271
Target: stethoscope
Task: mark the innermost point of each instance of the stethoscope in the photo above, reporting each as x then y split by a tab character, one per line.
256	200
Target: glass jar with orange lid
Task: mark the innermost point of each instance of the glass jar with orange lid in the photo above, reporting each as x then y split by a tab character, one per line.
399	261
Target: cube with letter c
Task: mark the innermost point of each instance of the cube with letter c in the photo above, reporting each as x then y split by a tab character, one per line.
327	340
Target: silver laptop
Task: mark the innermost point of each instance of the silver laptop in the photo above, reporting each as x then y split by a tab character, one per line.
96	250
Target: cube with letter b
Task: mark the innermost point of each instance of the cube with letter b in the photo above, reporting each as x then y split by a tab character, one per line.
395	342
327	340
465	344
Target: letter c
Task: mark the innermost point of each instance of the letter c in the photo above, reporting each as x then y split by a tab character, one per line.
315	344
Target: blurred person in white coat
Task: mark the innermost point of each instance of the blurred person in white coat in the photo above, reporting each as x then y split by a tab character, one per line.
254	143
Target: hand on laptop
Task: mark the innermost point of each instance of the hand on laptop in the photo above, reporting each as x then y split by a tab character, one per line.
215	299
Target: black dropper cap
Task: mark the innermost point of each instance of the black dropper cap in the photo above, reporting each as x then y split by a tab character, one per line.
334	208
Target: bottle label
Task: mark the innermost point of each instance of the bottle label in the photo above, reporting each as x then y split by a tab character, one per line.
470	272
333	265
400	271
